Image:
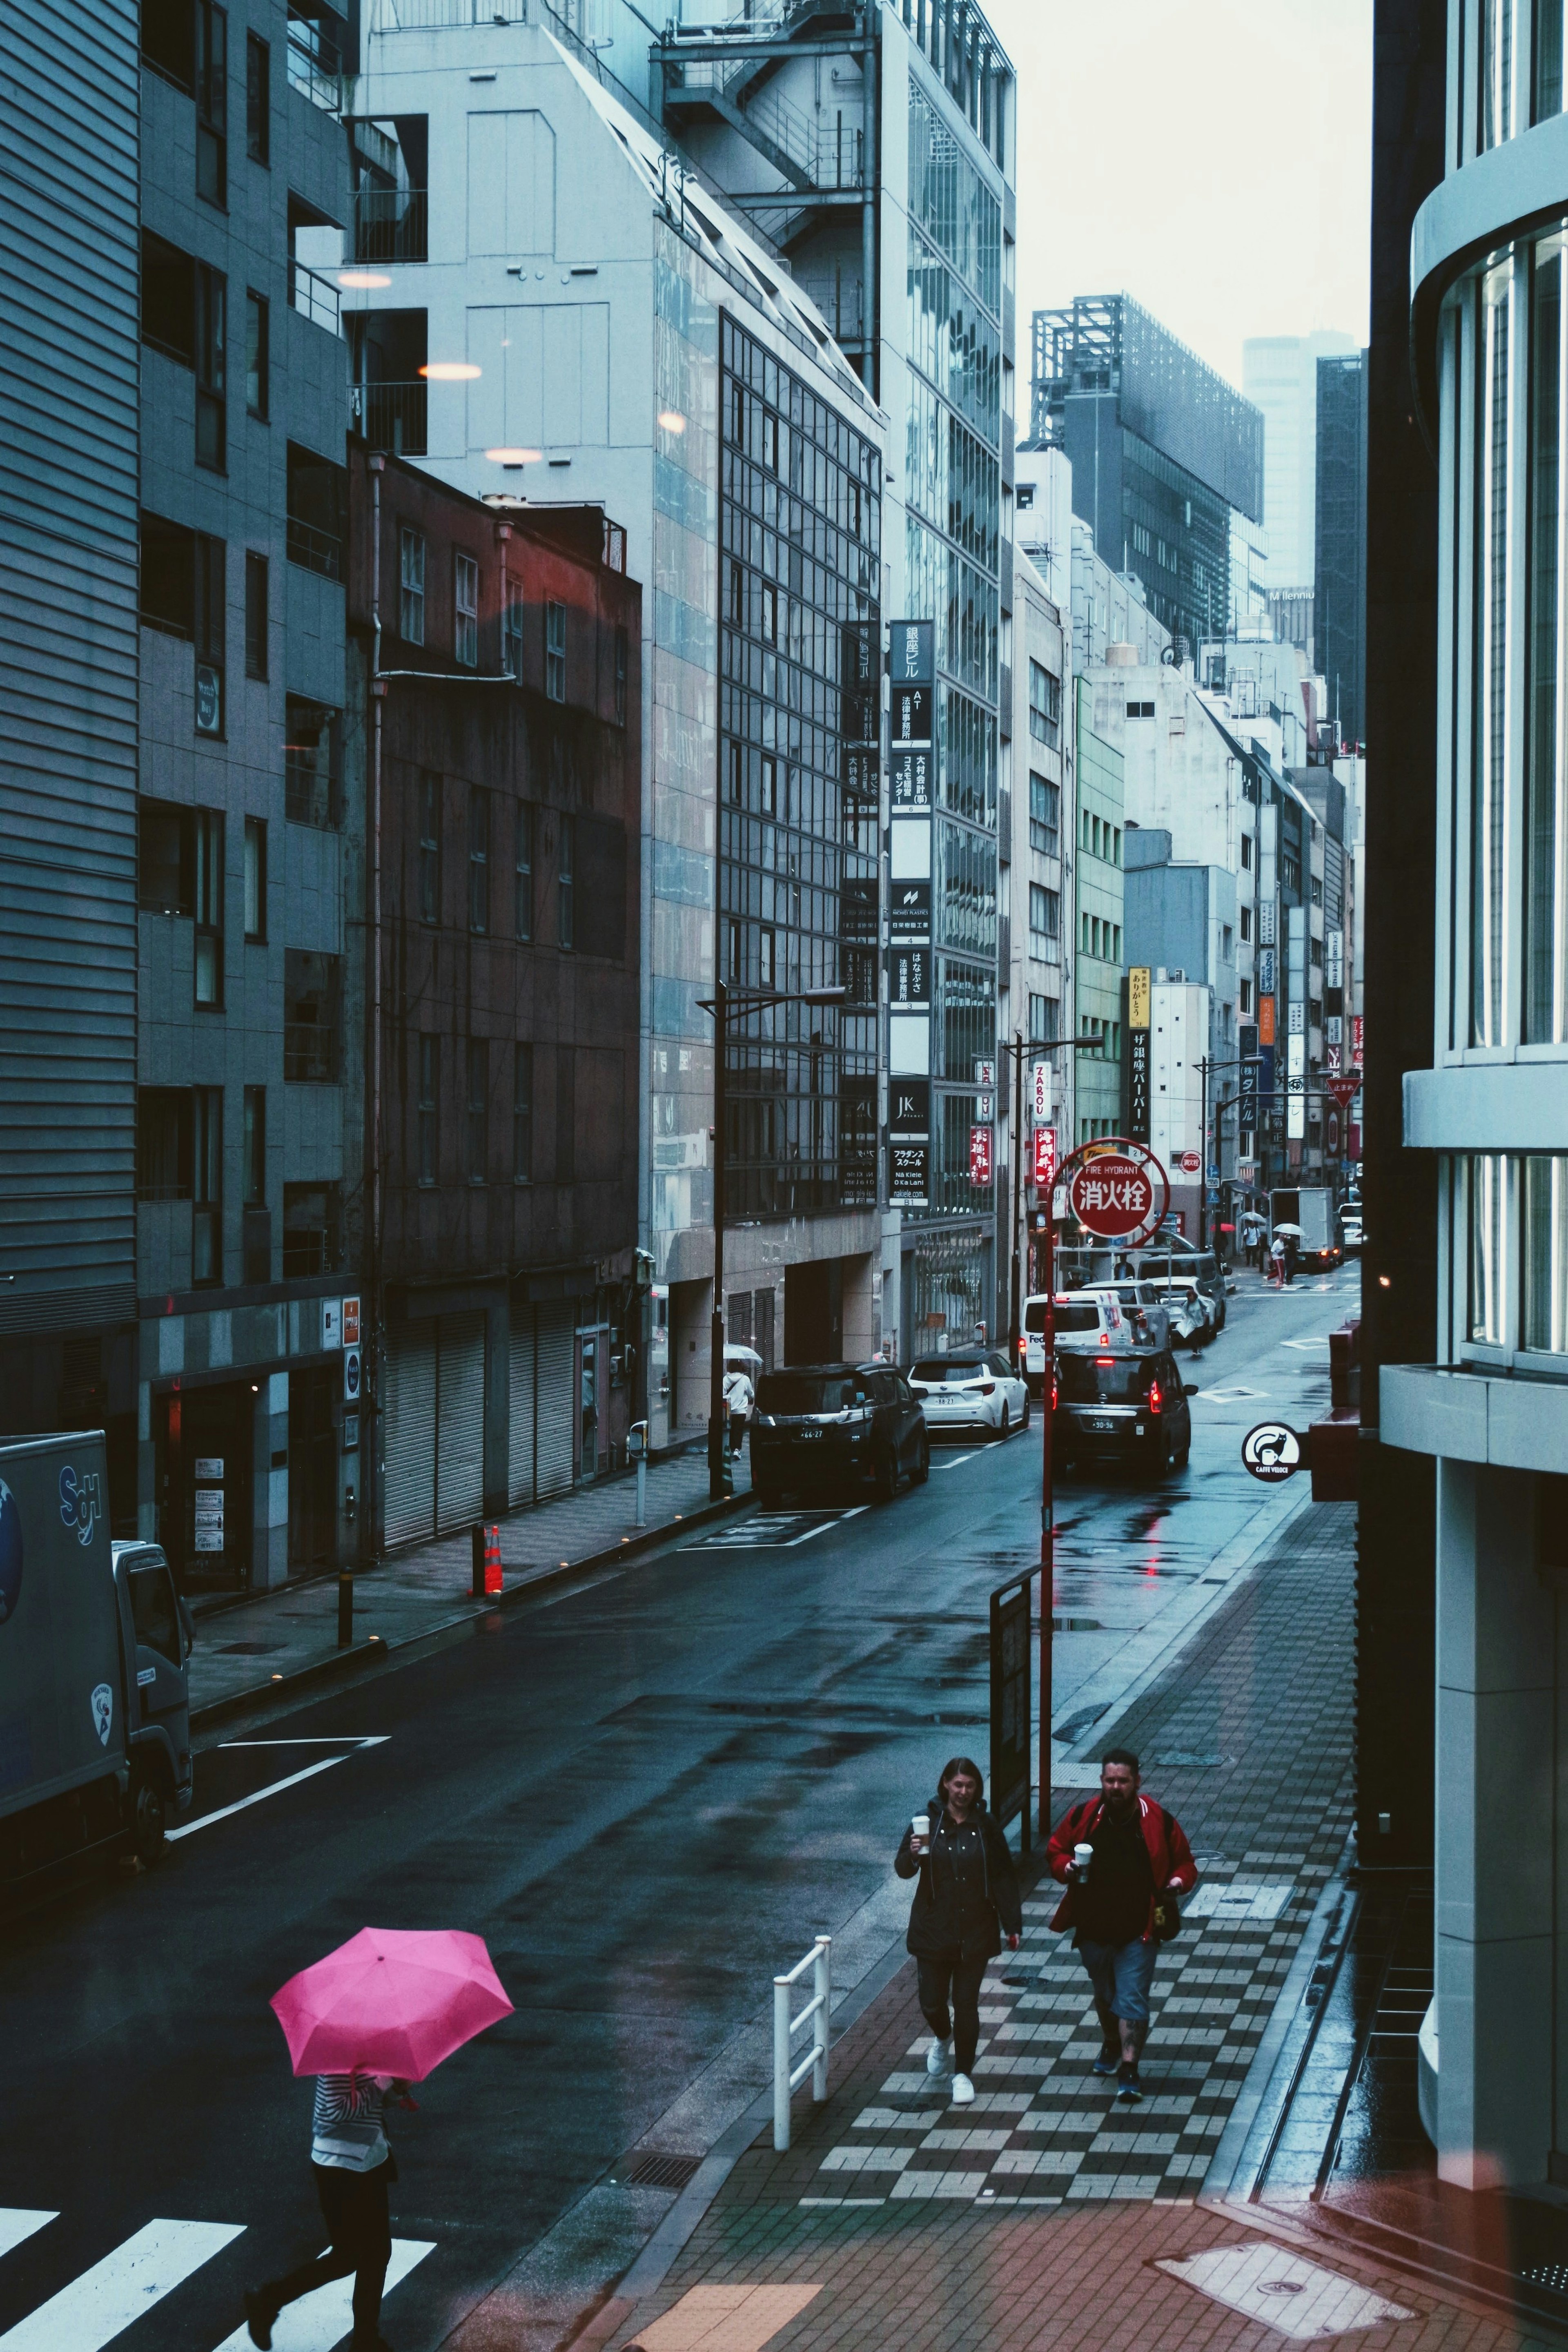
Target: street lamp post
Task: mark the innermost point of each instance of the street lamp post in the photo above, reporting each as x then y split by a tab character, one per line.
720	1475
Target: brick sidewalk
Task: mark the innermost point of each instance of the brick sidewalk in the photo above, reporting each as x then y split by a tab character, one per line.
241	1648
1036	2217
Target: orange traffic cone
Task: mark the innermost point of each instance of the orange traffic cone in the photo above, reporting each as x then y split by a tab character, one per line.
493	1556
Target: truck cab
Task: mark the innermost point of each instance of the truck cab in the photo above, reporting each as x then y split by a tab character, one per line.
156	1636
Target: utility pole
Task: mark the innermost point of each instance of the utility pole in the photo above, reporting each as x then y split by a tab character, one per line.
720	1471
1015	1326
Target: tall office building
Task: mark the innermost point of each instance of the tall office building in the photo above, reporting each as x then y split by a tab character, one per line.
1163	452
69	124
1280	376
1340	598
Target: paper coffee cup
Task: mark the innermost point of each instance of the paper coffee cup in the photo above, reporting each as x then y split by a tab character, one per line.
920	1826
1083	1855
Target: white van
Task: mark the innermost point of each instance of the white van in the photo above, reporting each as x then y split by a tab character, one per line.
1093	1315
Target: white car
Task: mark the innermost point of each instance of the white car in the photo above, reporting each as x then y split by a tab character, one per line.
971	1391
1096	1313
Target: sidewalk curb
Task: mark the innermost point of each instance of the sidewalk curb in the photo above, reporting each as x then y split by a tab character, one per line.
346	1665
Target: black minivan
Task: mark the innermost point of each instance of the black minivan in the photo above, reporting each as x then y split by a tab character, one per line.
824	1428
1122	1407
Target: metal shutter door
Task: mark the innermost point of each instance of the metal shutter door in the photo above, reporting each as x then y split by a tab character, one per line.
411	1433
557	1365
520	1472
460	1460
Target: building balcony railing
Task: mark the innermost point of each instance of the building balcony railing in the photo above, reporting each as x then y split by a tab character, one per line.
315	550
393	416
315	69
309	1058
314	297
436	15
391	225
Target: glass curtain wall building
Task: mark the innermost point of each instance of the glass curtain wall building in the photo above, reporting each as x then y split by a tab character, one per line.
1488	343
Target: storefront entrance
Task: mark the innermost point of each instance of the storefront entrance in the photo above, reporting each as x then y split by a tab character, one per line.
204	1439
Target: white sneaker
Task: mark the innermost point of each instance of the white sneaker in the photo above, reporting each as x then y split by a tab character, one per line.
939	2057
963	2091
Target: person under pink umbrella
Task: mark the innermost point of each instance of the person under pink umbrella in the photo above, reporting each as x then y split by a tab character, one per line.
378	2012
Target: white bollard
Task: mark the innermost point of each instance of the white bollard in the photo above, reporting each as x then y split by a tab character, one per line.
781	1991
822	1987
786	2078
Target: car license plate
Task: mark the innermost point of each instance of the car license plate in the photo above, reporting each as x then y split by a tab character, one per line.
1098	1420
808	1432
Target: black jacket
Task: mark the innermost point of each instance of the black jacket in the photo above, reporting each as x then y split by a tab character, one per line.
935	1925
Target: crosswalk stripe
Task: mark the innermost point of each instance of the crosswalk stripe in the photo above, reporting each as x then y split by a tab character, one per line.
317	2322
19	2222
115	2293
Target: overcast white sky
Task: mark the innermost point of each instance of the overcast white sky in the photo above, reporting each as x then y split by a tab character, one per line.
1211	158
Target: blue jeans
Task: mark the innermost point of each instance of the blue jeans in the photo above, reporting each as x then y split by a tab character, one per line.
1121	1975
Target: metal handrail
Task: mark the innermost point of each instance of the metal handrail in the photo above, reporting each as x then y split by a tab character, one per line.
314	297
787	2080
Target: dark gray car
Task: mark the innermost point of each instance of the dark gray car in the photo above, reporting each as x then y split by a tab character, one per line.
826	1428
1131	1406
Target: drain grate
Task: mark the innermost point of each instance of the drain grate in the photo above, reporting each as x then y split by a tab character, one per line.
656	2171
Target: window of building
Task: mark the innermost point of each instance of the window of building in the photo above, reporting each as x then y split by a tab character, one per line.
523	882
312	1229
206	1185
255	615
312	1017
769	784
555	653
1245	925
565	1115
257	98
1044	706
165	858
255	877
257	359
163	1143
411	586
478	859
1226	943
168	41
476	1122
310	793
209	907
1495	76
623	656
212	58
1044	816
168	300
1244	991
428	1103
1044	921
1037	1019
566	884
1317	891
1545	829
1247	853
1488	1249
522	1114
318	512
465	603
253	1150
1315	1013
512	647
209	564
769	617
429	846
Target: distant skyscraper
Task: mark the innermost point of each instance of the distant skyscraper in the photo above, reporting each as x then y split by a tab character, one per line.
1279	375
1340	614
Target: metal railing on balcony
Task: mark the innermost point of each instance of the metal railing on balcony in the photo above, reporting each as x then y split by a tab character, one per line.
309	1058
315	550
393	416
314	68
436	15
314	297
391	225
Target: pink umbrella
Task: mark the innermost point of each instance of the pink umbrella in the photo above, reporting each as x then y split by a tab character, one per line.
390	2001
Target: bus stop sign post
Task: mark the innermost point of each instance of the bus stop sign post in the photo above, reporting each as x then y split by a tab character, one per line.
1118	1191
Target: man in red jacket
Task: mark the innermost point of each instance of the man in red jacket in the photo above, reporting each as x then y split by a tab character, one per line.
1138	1859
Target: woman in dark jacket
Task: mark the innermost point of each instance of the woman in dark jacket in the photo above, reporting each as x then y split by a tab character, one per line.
966	1901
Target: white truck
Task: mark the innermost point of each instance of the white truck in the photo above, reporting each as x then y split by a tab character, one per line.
1309	1208
95	1644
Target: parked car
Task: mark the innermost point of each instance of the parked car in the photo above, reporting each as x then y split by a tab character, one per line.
1143	1304
1352	1230
828	1428
970	1391
1131	1407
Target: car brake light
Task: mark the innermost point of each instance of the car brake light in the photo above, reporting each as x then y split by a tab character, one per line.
987	1388
1104	1360
1156	1402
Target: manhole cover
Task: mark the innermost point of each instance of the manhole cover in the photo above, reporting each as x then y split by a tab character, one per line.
656	2171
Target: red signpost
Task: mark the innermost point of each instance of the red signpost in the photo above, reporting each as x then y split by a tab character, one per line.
1117	1190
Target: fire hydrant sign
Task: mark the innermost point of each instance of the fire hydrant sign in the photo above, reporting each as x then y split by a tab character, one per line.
1118	1191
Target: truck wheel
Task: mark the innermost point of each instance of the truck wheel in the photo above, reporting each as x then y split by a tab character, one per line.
148	1817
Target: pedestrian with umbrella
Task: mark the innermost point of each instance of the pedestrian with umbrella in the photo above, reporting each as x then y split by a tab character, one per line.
375	2016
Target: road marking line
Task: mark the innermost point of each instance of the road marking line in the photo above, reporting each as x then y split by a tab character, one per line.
19	2222
795	1541
345	1739
318	2321
273	1788
958	1461
115	2293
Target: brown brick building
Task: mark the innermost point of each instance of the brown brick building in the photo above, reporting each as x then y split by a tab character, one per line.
509	761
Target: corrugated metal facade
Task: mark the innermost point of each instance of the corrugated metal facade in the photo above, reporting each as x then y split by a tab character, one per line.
68	380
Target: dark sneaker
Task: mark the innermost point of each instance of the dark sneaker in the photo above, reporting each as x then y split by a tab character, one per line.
1108	2060
1129	2090
259	2316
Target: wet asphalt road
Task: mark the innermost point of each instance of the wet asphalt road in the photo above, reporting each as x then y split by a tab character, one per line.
646	1793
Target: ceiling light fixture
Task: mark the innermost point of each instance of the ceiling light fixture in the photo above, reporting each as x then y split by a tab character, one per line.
449	370
514	456
671	421
359	278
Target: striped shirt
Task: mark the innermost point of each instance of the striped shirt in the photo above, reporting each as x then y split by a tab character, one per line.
347	2122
